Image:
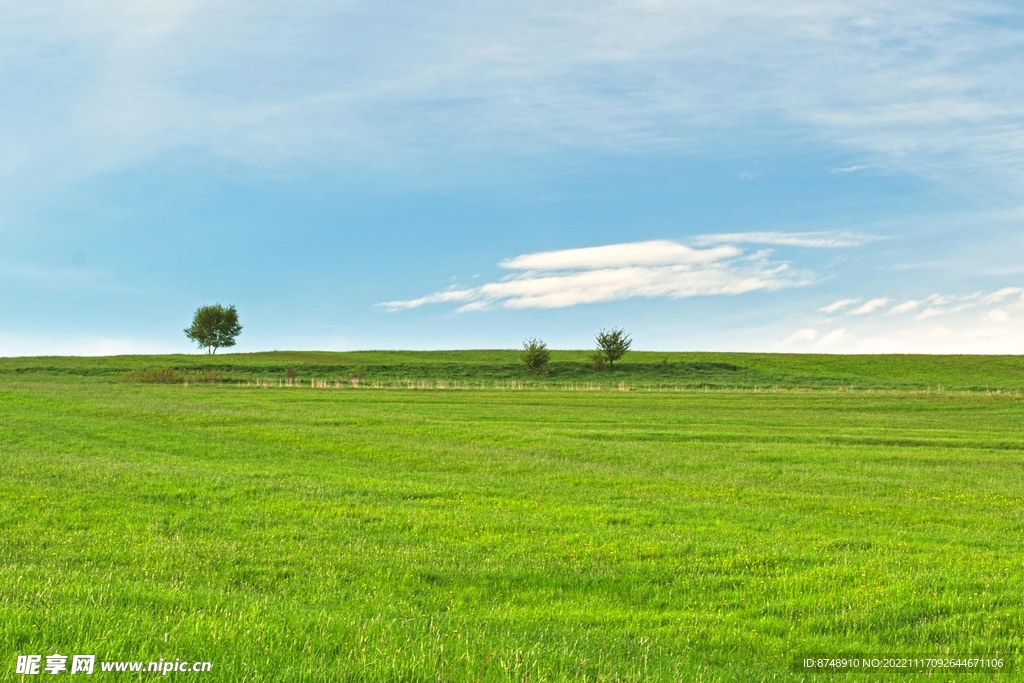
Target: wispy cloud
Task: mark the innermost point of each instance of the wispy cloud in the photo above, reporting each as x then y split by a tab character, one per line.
930	86
930	312
933	311
904	307
650	253
814	240
1003	293
971	322
807	334
846	169
870	306
946	304
653	269
997	316
838	305
834	337
809	338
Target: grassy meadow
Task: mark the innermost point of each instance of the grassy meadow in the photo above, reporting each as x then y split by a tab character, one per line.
423	517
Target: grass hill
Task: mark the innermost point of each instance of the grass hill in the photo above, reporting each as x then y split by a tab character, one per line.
568	369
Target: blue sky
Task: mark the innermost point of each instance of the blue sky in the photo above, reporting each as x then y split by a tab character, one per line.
785	176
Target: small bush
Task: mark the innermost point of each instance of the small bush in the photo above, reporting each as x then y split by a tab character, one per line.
598	360
613	344
154	376
535	356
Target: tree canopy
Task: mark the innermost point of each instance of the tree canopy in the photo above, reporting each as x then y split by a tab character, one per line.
214	327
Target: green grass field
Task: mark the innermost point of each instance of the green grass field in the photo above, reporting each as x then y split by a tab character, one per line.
731	512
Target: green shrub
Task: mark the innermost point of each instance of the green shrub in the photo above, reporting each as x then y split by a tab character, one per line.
535	356
613	344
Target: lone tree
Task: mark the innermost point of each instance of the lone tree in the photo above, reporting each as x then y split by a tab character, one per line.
535	355
214	327
613	344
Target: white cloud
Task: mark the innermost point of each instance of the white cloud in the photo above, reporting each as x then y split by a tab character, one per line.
939	332
1002	294
847	169
805	335
870	306
820	240
961	338
974	322
834	337
836	305
651	253
936	304
558	279
997	316
904	307
940	299
933	311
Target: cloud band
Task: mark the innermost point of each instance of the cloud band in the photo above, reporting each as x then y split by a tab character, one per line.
652	269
